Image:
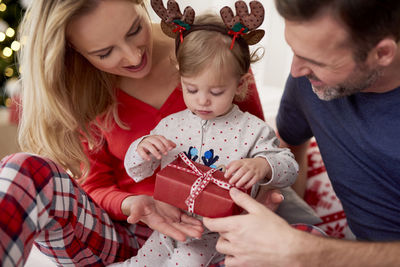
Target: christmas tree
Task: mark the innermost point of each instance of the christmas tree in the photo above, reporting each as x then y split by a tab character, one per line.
11	12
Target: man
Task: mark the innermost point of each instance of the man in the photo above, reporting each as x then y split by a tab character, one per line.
344	89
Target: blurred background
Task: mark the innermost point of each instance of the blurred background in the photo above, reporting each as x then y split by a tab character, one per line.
11	12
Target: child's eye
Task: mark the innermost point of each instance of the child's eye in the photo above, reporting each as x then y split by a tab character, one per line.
191	91
105	55
217	93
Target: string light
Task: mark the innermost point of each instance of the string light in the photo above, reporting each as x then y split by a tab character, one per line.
8	102
10	32
9	72
3	7
7	52
15	45
9	13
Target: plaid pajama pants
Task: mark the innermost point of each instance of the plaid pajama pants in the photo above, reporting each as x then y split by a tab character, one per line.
40	204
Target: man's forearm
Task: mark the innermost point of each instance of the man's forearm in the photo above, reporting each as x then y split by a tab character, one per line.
327	252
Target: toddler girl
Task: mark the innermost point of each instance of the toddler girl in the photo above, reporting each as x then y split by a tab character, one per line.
213	59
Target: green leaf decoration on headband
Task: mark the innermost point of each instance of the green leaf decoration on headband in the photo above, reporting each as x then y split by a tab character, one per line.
182	24
238	26
173	22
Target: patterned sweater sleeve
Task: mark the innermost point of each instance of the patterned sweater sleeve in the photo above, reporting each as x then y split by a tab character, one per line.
137	167
283	165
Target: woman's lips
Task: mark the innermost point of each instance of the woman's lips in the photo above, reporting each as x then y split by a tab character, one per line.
139	67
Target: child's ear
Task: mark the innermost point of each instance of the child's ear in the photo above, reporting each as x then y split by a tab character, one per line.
243	82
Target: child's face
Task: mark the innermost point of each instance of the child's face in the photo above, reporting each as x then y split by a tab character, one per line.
210	94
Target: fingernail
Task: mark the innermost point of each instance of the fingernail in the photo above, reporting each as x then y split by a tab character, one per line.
283	197
234	190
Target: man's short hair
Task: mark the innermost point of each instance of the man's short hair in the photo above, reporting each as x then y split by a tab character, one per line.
367	21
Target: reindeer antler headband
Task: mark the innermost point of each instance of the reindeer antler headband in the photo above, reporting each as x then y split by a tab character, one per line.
243	25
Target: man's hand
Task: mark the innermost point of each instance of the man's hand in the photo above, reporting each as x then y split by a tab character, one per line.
161	217
255	239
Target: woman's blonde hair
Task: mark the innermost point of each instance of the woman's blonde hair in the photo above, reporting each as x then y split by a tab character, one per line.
210	49
62	93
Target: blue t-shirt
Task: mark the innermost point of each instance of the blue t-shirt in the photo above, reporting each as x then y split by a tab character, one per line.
359	140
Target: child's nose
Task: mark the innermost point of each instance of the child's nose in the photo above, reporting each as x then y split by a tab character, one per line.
203	100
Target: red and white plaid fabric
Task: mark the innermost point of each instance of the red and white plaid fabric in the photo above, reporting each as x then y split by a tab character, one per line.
40	204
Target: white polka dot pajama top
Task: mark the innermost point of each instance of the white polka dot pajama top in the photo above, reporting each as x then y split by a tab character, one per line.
213	143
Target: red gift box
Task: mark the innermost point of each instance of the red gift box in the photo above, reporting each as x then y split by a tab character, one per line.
173	186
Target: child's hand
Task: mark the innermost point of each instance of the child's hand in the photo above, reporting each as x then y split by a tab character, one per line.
154	145
246	172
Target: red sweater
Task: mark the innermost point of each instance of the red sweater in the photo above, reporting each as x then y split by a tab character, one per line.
108	183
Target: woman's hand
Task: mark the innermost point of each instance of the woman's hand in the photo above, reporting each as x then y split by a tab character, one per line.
161	217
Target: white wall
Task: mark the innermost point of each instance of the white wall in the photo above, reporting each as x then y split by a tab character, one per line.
272	70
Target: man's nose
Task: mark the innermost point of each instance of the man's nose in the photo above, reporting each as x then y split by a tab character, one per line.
299	67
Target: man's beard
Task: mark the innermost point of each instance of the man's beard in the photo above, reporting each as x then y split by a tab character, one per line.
360	79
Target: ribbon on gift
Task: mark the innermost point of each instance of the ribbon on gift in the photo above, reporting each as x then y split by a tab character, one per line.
203	179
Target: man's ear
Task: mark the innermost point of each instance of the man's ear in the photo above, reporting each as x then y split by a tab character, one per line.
385	51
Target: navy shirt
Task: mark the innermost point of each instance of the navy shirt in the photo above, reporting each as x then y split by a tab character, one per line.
359	140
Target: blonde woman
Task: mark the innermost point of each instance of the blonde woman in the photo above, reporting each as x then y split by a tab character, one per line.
96	75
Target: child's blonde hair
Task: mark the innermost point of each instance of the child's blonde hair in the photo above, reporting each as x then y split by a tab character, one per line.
210	49
62	93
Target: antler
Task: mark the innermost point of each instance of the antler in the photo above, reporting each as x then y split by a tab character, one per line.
159	8
251	21
172	12
244	24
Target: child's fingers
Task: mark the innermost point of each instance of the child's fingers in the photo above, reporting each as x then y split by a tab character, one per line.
161	144
244	178
237	176
142	153
153	150
231	168
165	144
171	144
250	183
